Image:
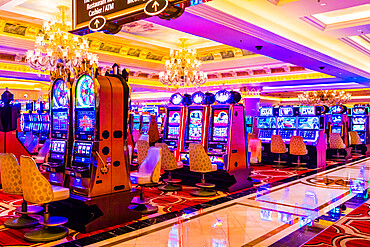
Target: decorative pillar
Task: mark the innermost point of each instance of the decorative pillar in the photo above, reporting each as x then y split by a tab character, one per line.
251	96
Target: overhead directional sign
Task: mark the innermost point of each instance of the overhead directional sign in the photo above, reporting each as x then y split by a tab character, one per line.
97	23
155	7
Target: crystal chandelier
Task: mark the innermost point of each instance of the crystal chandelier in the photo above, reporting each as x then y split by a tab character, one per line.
183	68
324	97
55	46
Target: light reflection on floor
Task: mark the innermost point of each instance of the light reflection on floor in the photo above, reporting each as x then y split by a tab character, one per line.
260	219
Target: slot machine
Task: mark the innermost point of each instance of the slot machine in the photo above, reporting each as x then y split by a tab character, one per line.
45	123
286	122
311	126
173	132
360	122
145	123
135	125
249	123
36	122
339	121
61	138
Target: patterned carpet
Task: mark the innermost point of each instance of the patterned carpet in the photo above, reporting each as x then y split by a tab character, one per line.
353	230
167	202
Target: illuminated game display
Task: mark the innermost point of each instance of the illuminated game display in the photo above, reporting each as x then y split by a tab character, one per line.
266	123
338	120
308	123
360	122
145	125
60	138
220	125
286	123
45	126
135	121
174	128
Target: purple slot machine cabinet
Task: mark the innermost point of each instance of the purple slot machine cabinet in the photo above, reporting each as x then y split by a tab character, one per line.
61	136
339	121
360	122
286	122
311	126
99	178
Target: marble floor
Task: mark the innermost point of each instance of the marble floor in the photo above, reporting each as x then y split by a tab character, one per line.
259	219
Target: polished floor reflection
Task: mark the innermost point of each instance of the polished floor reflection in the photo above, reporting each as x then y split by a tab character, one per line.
260	219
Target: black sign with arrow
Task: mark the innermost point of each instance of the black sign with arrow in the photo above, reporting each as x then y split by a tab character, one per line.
155	7
97	23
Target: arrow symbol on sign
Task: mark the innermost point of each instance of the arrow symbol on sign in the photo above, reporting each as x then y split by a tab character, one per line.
96	23
155	5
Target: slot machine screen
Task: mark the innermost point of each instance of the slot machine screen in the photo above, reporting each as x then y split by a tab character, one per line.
266	112
45	118
85	123
37	106
173	129
34	118
286	112
307	111
308	123
136	118
286	122
82	152
35	127
60	121
358	127
358	120
29	106
220	125
146	118
136	126
336	129
266	123
195	125
359	111
57	149
45	127
336	119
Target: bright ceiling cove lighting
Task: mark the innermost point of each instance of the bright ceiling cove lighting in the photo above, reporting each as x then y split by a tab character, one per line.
324	97
56	47
183	68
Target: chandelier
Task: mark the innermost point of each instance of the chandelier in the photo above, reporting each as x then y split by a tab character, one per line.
324	97
55	46
183	68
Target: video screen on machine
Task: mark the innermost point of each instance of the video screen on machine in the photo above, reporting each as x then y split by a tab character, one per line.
308	123
336	129
35	127
82	149
286	123
266	112
173	129
220	125
195	125
359	111
60	121
135	126
266	123
136	118
35	118
286	112
358	127
336	119
45	127
146	118
358	120
308	135
307	111
58	146
85	122
45	118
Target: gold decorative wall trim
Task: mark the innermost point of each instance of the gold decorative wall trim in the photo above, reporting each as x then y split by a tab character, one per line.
21	68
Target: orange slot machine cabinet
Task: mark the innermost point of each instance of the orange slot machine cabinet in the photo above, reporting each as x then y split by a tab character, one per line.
99	170
61	134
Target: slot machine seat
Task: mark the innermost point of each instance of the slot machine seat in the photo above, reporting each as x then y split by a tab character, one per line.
200	162
336	143
142	147
355	141
298	147
147	176
169	163
38	190
40	158
12	184
278	147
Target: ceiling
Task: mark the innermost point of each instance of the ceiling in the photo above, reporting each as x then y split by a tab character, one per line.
305	44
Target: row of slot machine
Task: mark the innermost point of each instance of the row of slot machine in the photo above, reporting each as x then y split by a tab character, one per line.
89	149
139	121
35	119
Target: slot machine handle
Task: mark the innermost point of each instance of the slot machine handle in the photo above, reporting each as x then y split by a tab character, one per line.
104	169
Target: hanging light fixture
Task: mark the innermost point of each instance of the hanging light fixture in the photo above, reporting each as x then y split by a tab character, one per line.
324	97
55	46
183	68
